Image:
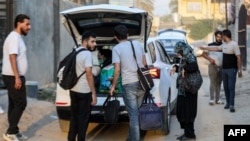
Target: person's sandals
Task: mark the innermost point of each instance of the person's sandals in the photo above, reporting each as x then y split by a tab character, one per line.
219	102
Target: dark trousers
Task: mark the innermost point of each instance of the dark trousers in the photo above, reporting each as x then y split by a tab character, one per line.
80	113
229	77
188	129
17	102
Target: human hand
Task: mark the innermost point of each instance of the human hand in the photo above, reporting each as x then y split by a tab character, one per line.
112	89
212	61
240	74
94	99
18	83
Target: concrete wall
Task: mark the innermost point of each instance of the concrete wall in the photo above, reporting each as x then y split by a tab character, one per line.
47	41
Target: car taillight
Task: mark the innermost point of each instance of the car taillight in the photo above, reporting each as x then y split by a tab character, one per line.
61	103
154	72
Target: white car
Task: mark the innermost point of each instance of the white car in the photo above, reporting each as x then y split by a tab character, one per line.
101	19
169	37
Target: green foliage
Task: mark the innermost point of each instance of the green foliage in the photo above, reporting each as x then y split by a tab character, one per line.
166	18
200	29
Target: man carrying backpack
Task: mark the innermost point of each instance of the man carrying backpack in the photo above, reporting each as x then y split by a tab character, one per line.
83	94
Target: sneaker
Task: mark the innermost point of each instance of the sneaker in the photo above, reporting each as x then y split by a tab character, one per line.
232	110
10	137
1	110
211	102
219	102
21	136
226	107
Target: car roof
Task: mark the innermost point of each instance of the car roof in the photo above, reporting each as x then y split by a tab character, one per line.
172	30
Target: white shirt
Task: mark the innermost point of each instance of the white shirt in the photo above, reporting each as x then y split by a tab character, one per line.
122	53
83	60
14	44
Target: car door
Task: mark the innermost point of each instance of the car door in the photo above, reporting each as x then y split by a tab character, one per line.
167	81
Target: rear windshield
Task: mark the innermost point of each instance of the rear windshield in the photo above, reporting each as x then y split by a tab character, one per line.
103	23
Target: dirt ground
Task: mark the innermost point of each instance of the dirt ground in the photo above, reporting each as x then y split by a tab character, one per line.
39	121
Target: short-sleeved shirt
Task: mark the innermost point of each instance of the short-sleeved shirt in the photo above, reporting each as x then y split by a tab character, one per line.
83	60
122	53
230	51
217	56
14	44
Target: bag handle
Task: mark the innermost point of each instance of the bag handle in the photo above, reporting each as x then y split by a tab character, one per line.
148	98
134	53
108	99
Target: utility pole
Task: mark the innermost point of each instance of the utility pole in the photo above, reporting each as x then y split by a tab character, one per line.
226	14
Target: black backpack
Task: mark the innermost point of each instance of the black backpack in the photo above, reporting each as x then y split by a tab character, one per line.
66	73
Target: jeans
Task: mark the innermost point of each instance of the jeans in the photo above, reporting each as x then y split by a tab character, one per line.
80	113
133	96
17	102
215	77
229	80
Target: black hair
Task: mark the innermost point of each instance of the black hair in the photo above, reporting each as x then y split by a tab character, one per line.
20	18
87	34
217	32
121	32
227	33
106	52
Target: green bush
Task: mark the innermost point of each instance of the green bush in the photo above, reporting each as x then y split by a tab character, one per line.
200	29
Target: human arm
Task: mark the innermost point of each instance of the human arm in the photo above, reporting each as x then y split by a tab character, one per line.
239	65
90	80
212	48
206	56
115	79
13	62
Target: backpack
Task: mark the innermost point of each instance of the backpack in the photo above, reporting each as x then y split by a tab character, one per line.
66	73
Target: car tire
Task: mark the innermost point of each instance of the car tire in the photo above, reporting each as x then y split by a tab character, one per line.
173	112
64	125
166	113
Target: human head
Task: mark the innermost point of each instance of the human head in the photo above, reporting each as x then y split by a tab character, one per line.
22	24
89	40
104	54
121	32
218	36
226	35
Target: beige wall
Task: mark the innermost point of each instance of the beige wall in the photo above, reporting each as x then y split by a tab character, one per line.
201	9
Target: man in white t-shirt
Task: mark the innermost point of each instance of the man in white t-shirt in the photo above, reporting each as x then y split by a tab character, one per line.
13	71
214	69
83	94
125	63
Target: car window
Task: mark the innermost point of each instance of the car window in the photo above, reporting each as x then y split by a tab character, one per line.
152	52
170	43
163	56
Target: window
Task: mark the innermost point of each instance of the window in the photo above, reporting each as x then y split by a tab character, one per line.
194	6
152	51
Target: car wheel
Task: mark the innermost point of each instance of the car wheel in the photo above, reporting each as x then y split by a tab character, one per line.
166	113
64	125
